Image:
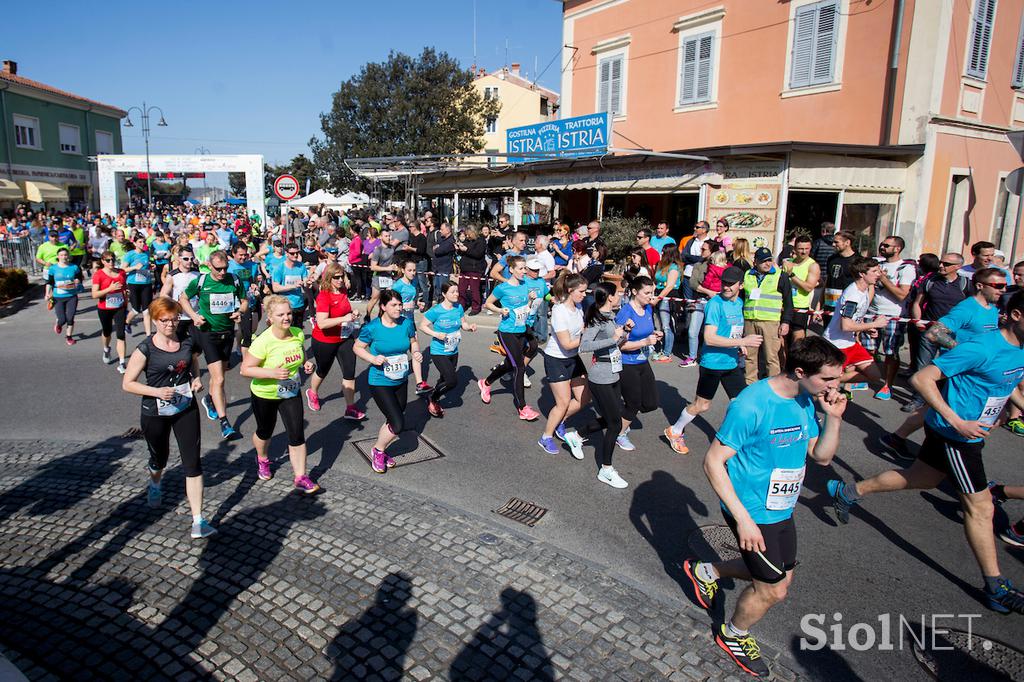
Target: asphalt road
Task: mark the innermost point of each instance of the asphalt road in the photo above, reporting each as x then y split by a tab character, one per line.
902	554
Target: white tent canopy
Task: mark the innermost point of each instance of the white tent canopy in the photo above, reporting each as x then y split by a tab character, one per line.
322	196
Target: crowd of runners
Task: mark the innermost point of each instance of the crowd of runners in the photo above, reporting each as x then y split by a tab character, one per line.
788	337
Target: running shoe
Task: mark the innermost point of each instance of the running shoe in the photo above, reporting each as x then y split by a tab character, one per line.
70	341
744	650
1015	426
1006	598
107	359
423	387
121	369
884	393
435	409
49	304
313	400
656	357
623	441
704	590
688	362
1014	535
354	414
676	441
389	461
263	469
202	529
496	348
609	476
896	446
560	432
229	433
211	411
490	312
154	496
575	442
840	504
377	461
916	403
548	445
306	485
528	414
662	357
485	391
128	328
526	382
57	328
862	386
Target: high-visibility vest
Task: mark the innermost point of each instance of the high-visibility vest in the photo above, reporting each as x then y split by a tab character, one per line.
802	299
768	303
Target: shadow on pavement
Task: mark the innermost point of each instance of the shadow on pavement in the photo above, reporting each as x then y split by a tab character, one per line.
823	664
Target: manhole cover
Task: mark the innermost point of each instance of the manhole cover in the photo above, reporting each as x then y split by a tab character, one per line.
713	543
521	511
410	448
958	655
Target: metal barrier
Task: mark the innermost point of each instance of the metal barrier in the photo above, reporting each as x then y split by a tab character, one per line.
20	253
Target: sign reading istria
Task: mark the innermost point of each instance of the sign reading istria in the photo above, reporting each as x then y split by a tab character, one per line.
568	137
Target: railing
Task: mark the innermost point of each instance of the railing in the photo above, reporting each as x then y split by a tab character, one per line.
20	253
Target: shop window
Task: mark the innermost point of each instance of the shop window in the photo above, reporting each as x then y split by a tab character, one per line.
70	138
870	223
981	37
104	142
26	132
815	34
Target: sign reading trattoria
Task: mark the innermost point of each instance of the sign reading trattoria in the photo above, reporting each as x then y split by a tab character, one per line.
587	135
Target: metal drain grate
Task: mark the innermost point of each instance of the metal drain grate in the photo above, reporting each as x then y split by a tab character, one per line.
958	655
410	448
713	543
526	513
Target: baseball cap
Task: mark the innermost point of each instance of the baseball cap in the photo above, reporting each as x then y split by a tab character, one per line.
534	264
762	254
732	274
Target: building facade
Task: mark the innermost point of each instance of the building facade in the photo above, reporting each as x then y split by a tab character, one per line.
521	102
48	138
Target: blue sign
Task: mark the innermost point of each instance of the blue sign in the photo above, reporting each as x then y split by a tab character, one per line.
568	137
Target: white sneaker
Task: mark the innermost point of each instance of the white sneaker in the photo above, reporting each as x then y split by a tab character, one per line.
107	360
121	368
624	442
610	476
575	442
526	382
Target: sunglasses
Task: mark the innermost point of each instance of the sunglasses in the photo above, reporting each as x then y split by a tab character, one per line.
995	285
947	264
108	260
216	269
338	277
293	253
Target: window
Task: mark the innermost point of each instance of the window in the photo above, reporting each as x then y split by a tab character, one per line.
1018	63
609	91
981	38
104	142
695	71
957	216
491	93
26	132
543	106
70	138
492	124
815	34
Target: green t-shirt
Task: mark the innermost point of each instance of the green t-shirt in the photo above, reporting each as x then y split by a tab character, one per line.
274	353
80	238
48	252
117	248
203	256
217	300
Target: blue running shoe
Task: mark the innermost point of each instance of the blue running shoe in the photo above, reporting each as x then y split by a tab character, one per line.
228	432
1006	598
862	386
560	432
202	529
153	495
211	411
548	444
840	504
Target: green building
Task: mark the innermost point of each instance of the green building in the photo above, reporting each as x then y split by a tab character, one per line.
49	136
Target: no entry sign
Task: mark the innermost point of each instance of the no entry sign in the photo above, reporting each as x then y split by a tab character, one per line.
286	187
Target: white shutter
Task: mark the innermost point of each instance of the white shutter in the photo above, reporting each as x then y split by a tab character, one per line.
688	73
70	139
1018	63
104	142
604	78
615	103
803	47
824	44
704	67
981	37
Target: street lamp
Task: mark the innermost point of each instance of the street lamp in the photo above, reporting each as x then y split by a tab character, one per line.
144	114
201	151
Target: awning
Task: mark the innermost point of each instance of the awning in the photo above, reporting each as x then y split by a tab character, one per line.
829	171
42	192
619	179
9	191
855	197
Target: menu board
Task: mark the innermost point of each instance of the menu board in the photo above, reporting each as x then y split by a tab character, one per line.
750	208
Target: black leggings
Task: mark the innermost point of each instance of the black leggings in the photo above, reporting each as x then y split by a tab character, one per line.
517	346
608	402
112	321
185	426
140	296
65	307
265	411
326	353
246	323
639	391
391	401
446	367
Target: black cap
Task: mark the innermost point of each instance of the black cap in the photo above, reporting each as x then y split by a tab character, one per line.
762	254
732	275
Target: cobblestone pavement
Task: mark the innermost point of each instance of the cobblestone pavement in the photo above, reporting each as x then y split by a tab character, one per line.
360	582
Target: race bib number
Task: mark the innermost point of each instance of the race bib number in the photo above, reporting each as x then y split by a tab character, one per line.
178	403
736	331
288	388
292	280
520	315
615	359
62	283
384	282
114	300
161	255
451	342
396	367
408	306
222	304
993	408
784	489
755	294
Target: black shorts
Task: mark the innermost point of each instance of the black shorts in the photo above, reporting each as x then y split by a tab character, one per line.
326	353
216	345
800	321
779	556
563	369
960	461
140	296
112	321
733	380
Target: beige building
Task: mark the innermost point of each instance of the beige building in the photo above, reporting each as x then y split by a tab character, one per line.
522	103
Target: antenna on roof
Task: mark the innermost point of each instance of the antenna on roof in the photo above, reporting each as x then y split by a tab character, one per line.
474	36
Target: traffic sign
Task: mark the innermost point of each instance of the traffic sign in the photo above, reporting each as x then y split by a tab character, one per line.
286	187
1015	181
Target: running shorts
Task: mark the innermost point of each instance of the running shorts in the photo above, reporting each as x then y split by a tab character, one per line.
563	369
733	380
216	345
779	556
960	461
855	355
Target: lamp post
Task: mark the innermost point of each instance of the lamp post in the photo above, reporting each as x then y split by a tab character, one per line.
144	114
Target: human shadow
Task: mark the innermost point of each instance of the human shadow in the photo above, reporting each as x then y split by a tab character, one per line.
376	642
824	663
508	645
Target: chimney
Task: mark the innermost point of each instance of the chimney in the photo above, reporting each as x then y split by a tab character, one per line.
515	68
10	67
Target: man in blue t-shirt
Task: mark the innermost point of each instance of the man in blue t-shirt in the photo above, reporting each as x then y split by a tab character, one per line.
967	390
724	344
756	465
661	238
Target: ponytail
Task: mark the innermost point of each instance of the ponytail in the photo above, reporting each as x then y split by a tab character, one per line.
565	283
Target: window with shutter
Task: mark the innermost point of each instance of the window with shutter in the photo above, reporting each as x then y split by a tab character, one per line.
981	37
813	55
615	104
696	69
1018	63
610	85
604	78
104	142
70	138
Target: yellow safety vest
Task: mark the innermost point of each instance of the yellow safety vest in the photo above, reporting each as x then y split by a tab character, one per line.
766	304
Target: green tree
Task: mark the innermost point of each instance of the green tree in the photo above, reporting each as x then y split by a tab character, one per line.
237	183
301	166
404	106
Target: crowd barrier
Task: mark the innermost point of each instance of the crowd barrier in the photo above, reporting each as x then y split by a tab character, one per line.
21	254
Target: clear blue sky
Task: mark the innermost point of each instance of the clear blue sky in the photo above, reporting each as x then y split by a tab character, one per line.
253	77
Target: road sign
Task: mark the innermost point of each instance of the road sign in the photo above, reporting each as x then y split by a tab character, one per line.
1015	181
286	187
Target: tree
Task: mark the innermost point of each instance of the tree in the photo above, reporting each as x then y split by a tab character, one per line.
301	166
237	183
404	106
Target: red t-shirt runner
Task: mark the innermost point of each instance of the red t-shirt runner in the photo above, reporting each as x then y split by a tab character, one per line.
114	299
335	305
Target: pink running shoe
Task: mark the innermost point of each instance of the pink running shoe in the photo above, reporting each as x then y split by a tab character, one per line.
528	414
70	341
313	400
56	328
388	461
379	461
485	391
306	485
353	413
263	469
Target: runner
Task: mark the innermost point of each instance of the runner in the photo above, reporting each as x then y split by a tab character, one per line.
639	390
184	269
65	281
724	345
288	280
246	271
567	377
383	270
512	300
140	283
46	255
537	321
161	249
205	249
334	335
171	367
848	322
273	363
445	323
756	465
385	343
221	302
108	288
966	389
